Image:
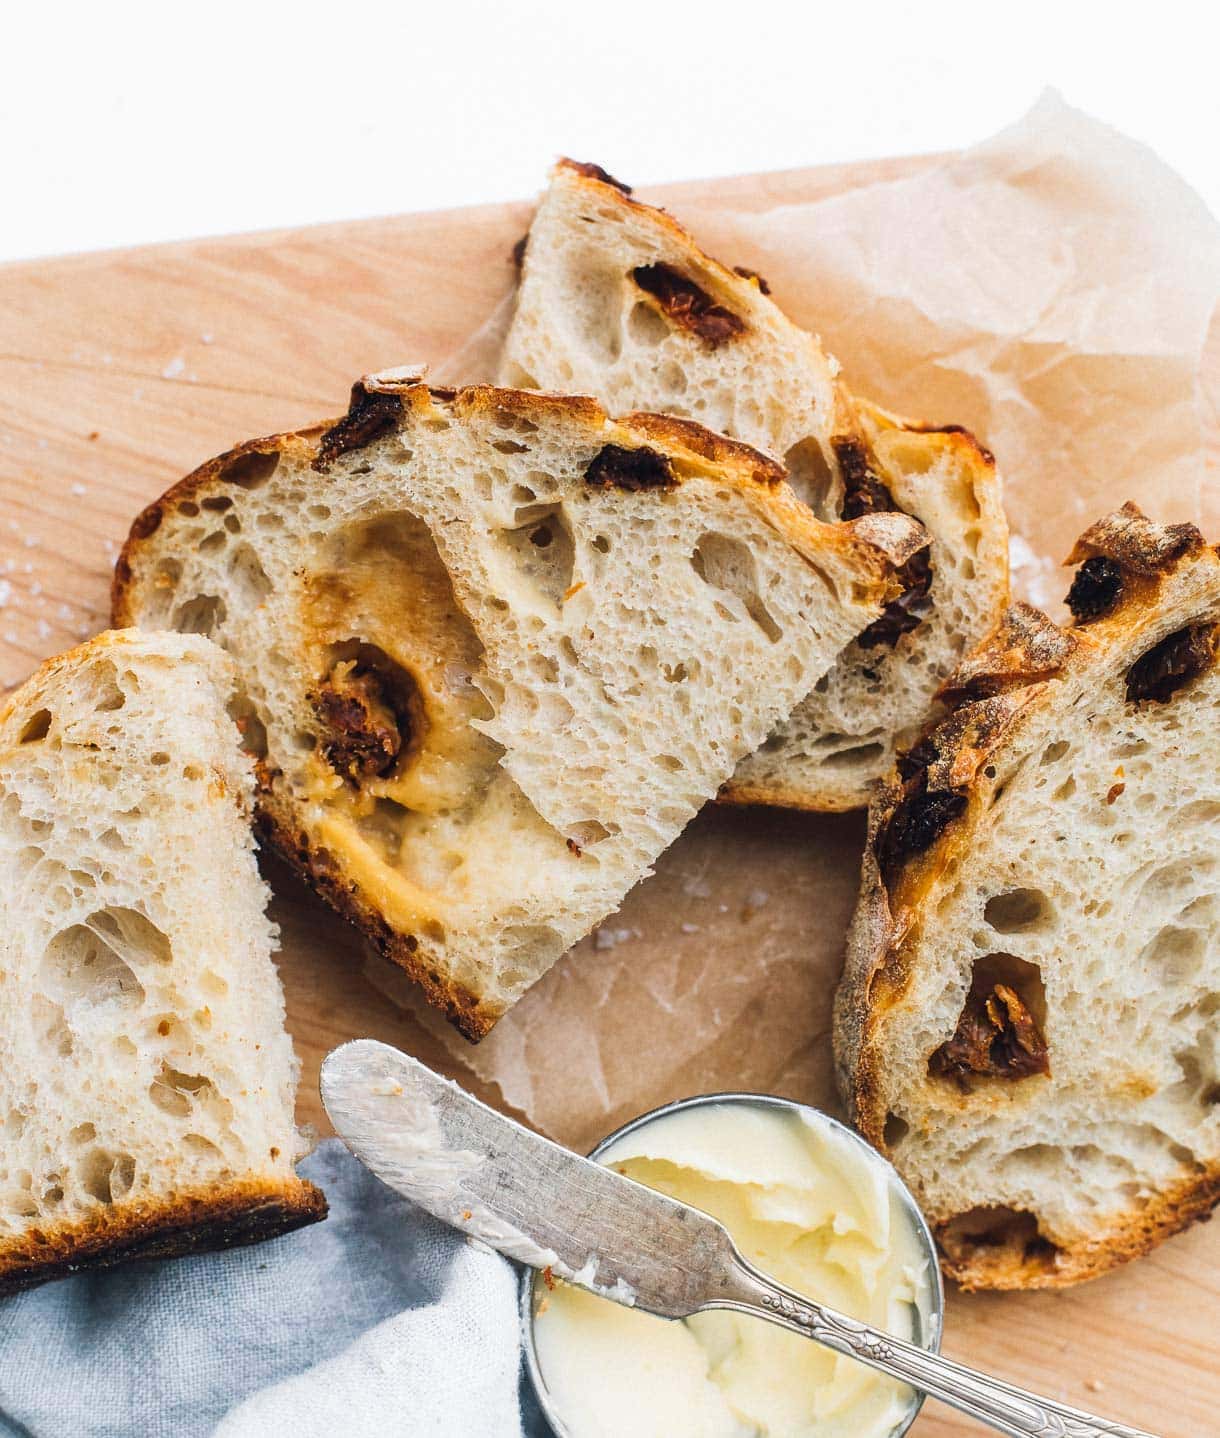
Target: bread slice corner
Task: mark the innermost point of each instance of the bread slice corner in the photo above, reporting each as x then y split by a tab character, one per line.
1026	1021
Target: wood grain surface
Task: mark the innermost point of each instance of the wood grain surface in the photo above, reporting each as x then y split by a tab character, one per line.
119	372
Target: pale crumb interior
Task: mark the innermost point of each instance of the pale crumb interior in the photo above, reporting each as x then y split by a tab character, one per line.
142	1047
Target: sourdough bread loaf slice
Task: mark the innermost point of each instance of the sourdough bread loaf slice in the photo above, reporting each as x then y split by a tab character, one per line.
498	649
1027	1020
617	300
147	1083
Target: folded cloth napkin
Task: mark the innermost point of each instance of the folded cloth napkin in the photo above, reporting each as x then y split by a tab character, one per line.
379	1321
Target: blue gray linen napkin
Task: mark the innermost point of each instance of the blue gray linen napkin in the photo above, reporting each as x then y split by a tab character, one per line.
379	1321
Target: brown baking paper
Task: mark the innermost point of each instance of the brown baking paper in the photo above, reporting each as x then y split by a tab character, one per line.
1051	289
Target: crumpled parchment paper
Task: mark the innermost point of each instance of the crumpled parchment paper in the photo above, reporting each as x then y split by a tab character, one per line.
1052	289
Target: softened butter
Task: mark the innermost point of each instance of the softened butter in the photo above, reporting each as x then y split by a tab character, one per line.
805	1206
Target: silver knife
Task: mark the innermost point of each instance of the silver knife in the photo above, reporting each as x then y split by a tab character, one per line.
536	1202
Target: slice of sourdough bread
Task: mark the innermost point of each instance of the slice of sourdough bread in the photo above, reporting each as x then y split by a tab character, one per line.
146	1093
617	300
1027	1020
498	649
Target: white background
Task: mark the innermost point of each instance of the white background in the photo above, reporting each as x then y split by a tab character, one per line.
128	123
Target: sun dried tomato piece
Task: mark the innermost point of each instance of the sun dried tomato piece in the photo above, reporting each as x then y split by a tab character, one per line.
1175	661
996	1036
615	466
1095	590
919	817
908	611
687	304
364	732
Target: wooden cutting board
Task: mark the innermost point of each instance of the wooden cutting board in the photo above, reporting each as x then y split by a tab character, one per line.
121	371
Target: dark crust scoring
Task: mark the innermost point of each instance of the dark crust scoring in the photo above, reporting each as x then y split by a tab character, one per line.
616	467
197	1221
1024	648
687	304
1135	542
595	172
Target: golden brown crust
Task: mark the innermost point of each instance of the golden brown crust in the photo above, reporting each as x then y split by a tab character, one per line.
533	405
592	172
1024	648
686	434
1131	539
872	417
993	691
878	547
776	795
1188	1202
212	471
472	1016
228	1215
365	421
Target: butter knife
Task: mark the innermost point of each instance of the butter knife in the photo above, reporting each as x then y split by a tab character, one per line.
536	1202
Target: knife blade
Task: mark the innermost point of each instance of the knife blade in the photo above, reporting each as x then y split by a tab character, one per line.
519	1193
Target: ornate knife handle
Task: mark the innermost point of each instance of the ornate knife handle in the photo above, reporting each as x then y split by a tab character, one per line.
1000	1405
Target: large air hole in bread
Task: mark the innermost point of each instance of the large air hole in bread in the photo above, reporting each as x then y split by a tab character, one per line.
1018	911
1006	1239
99	960
812	477
1000	1033
727	564
541	550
